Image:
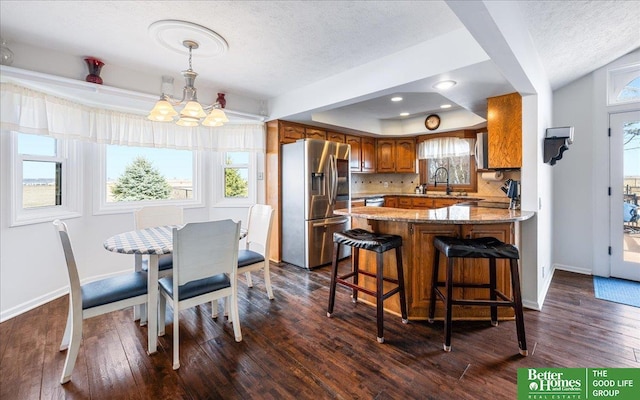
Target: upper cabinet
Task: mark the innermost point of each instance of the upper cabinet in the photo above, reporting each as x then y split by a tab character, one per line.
504	123
396	155
363	153
289	133
312	133
335	137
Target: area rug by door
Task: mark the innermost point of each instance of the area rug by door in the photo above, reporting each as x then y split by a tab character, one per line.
617	290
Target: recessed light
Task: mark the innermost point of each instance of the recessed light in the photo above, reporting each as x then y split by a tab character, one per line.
442	85
404	114
445	106
396	98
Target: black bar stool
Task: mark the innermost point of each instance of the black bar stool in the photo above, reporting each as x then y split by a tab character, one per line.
487	247
380	243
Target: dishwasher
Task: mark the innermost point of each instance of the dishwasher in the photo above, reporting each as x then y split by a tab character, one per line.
374	202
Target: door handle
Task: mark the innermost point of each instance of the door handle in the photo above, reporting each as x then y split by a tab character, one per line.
320	224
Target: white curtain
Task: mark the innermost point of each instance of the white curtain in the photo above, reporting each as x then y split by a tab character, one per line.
445	147
34	112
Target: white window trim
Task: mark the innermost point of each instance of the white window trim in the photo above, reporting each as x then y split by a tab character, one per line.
617	80
68	154
102	207
219	200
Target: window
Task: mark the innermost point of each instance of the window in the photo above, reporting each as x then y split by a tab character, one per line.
45	178
133	175
236	174
624	85
449	159
235	178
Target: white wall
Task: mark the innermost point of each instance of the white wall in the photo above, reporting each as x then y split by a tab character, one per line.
32	266
32	269
581	178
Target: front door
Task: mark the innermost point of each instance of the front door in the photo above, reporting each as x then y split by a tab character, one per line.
624	149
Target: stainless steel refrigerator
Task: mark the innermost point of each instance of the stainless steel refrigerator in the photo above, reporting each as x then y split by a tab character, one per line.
316	180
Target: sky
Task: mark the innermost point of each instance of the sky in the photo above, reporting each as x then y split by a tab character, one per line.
173	164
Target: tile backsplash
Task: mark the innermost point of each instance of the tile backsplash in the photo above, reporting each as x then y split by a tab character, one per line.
384	183
406	183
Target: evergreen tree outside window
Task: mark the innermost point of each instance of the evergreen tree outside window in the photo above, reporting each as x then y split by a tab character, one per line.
135	174
141	181
236	174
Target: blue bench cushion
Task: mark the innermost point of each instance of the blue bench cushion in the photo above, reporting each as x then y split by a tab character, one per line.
248	257
165	261
362	239
486	247
113	289
196	288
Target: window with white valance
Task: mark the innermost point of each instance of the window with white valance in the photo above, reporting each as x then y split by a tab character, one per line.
445	147
29	111
453	154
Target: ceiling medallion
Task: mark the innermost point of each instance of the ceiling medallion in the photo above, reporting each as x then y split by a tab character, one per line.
172	33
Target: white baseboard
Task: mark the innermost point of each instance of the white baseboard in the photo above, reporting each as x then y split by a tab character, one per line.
31	304
571	268
45	298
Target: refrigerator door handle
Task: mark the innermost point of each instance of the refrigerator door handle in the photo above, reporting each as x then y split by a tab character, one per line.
339	222
333	179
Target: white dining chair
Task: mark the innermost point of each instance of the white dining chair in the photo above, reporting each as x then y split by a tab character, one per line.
150	217
153	216
205	265
93	299
255	256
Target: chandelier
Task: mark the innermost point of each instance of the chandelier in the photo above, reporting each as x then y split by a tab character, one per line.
193	111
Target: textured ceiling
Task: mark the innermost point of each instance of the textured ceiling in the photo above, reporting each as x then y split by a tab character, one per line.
274	46
574	38
278	47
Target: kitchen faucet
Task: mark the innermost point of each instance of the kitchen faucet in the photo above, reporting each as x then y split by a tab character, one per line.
435	179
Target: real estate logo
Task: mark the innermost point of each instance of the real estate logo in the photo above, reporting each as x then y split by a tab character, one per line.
578	383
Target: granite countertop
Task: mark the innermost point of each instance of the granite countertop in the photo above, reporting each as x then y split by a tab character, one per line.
458	214
359	196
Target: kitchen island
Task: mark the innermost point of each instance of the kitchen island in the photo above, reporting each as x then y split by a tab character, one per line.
417	229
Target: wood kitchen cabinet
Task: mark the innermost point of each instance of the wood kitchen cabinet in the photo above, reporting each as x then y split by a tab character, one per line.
396	155
422	203
390	201
504	123
312	133
405	202
363	153
406	155
336	137
476	270
439	203
290	133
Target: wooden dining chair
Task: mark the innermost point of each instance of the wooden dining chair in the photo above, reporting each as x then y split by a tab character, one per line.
255	256
205	265
93	299
150	217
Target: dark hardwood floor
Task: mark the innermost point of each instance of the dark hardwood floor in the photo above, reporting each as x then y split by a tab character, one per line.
291	350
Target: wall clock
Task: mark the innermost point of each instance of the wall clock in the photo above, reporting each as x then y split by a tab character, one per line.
432	122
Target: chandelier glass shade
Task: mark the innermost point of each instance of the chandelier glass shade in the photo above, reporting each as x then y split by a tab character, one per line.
193	112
